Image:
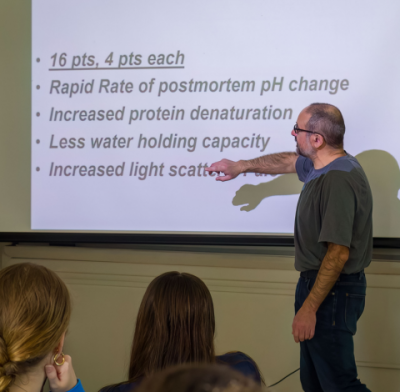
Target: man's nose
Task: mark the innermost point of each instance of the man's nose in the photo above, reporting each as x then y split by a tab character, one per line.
293	133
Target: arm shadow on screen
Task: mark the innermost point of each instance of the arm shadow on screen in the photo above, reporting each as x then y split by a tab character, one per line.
383	174
253	195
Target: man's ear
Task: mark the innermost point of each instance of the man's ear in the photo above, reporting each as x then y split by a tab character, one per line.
318	140
61	343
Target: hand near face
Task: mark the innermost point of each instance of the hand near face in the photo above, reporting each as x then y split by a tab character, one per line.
61	378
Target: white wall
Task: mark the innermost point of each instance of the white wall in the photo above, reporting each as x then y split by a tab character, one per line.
253	294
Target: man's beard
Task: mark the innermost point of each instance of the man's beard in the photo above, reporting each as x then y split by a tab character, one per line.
306	154
300	152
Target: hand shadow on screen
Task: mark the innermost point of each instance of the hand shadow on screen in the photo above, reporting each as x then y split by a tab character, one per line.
383	174
253	195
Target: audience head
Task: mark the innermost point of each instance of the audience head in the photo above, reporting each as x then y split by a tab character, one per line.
199	378
175	324
34	315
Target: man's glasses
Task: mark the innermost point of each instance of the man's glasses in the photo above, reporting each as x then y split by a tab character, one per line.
296	130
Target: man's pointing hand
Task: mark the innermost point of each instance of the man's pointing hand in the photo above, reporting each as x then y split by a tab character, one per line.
229	169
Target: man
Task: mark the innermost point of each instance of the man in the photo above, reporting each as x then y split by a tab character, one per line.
333	245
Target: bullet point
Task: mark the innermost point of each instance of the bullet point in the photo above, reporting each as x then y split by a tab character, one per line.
37	142
38	169
38	60
38	114
38	87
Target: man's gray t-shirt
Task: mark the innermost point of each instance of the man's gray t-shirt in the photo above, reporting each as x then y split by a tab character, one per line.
335	206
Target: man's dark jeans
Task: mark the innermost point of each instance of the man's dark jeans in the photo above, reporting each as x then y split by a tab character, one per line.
327	362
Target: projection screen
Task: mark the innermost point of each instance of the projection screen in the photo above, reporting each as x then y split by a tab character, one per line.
130	101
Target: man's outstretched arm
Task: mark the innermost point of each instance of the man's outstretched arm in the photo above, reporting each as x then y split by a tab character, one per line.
284	162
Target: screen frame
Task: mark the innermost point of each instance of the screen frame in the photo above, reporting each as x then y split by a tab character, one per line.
65	239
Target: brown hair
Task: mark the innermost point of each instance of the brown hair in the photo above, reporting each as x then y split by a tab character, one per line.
199	378
35	310
175	324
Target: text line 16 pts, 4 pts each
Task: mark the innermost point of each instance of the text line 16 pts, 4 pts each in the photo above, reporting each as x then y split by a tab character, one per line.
63	62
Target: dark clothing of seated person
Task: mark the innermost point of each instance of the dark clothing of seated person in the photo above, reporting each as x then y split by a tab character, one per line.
235	360
199	378
176	325
242	363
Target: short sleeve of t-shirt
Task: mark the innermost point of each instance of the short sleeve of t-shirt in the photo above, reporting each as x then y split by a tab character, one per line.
303	167
338	206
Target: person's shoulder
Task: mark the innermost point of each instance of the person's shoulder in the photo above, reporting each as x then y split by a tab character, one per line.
345	164
335	180
242	363
345	171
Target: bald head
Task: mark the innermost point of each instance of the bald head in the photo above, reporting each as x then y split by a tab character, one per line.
326	120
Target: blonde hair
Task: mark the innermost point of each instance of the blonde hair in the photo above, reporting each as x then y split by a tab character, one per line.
35	309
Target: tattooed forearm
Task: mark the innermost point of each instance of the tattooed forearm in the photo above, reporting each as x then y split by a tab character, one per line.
331	267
